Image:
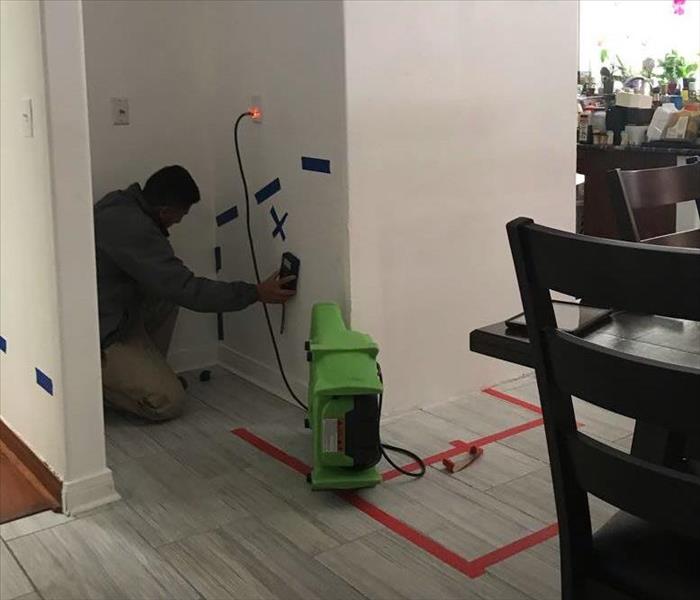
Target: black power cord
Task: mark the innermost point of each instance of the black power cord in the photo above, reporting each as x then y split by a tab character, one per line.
253	255
397	449
255	261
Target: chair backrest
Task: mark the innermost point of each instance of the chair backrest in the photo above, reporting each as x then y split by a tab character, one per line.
630	276
631	191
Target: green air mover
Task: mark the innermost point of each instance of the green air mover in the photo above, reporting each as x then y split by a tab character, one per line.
345	387
343	412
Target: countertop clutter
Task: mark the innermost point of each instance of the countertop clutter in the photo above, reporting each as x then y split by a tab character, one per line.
630	117
661	126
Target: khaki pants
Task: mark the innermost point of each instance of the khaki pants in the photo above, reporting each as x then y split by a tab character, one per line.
135	376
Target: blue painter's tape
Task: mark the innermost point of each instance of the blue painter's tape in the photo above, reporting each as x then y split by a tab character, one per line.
217	258
44	381
227	215
279	223
320	165
270	189
220	325
3	344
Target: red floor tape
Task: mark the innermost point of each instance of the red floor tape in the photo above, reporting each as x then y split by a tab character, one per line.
273	451
513	400
428	460
414	536
470	568
483	562
461	447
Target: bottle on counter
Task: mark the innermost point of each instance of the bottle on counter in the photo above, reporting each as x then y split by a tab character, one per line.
585	129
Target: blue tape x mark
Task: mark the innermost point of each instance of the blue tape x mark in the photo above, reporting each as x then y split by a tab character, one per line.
279	223
3	344
226	216
320	165
44	381
270	189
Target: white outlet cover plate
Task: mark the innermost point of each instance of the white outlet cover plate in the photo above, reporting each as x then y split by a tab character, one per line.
120	111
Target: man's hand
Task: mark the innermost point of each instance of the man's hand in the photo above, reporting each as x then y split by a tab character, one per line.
271	291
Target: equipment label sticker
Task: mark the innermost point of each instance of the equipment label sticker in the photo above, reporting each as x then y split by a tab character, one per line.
330	435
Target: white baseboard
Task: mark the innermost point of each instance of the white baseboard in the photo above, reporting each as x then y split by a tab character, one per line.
86	493
264	376
189	359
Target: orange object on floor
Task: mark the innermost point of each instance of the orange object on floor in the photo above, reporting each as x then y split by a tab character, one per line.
462	462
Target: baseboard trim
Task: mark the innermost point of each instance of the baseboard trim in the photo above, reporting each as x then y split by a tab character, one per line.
39	470
260	374
87	493
190	359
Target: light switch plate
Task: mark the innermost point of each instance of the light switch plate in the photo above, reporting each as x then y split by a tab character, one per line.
120	111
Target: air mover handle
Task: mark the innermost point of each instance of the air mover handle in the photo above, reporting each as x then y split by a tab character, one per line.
290	266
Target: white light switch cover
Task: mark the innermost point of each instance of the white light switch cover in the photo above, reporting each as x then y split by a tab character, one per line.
120	111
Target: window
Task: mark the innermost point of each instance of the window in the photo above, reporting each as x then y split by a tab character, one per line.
635	30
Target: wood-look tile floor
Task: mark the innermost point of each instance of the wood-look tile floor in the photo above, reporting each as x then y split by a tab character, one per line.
205	515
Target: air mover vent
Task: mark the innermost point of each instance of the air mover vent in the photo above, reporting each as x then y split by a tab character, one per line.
362	432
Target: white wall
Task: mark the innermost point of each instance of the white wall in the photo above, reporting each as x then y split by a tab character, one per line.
28	305
290	53
154	53
443	143
459	119
88	482
189	69
48	307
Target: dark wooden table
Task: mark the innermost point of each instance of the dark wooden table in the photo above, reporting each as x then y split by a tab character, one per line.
682	239
668	340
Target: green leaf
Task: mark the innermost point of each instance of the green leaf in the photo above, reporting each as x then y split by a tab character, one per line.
603	55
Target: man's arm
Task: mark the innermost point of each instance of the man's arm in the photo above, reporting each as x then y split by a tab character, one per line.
141	250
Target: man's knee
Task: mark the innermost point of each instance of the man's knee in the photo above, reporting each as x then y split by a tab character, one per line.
163	405
137	379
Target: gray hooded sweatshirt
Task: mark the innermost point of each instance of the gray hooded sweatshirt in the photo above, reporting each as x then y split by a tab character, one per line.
135	260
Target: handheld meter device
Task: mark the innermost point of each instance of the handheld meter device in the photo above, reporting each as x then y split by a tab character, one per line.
290	266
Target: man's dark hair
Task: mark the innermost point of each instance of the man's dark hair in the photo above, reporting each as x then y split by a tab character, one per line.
171	186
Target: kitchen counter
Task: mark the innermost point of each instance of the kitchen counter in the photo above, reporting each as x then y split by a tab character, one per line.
675	150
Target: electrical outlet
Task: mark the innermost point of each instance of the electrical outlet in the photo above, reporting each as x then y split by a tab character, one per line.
256	108
120	111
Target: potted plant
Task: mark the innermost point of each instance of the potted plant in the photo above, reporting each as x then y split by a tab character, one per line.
675	68
615	72
686	72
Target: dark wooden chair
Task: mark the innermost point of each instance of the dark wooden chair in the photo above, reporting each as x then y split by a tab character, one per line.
651	548
634	191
